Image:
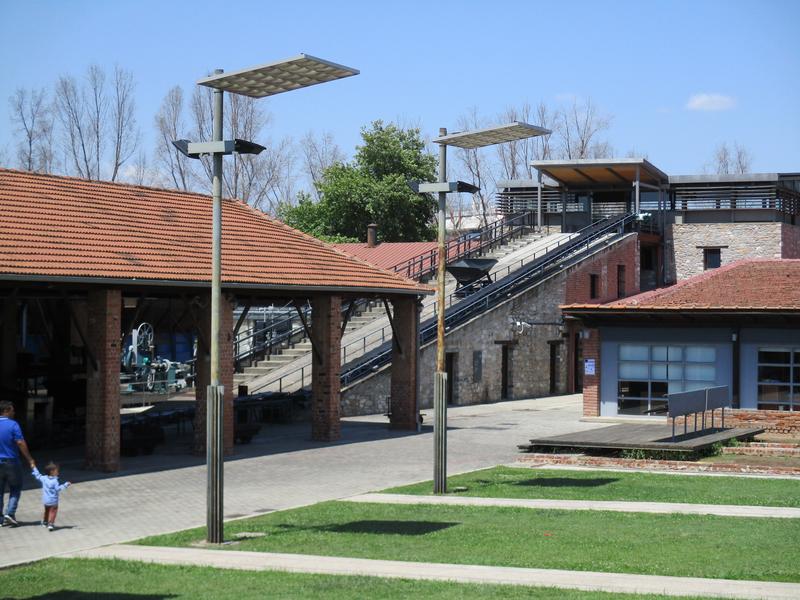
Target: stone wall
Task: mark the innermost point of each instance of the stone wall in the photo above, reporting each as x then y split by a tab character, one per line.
527	324
736	240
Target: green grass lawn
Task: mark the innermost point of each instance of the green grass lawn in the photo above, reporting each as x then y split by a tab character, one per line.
106	579
680	545
509	482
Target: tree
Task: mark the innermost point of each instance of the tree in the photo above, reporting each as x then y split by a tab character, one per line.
174	167
34	124
727	161
579	128
479	172
124	132
265	180
319	153
373	188
92	121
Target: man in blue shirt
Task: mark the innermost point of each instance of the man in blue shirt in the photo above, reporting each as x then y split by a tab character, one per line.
12	444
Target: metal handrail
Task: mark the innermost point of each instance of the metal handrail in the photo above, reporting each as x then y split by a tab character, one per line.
273	341
493	294
583	236
466	245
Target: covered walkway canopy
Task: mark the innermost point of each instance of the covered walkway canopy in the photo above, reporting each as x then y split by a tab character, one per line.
594	172
81	261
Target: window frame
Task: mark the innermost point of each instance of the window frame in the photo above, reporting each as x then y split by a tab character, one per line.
669	355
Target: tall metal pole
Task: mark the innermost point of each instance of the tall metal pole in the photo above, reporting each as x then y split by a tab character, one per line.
636	194
215	392
440	378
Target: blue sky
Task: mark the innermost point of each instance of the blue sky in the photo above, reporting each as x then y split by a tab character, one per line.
428	62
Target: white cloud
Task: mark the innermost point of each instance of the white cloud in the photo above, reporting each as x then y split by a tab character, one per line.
710	102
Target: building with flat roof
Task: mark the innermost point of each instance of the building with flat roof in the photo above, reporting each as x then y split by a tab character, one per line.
737	326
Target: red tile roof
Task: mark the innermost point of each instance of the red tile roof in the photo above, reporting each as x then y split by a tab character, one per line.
750	284
63	227
388	254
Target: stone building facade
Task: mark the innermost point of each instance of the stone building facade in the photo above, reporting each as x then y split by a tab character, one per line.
735	241
518	350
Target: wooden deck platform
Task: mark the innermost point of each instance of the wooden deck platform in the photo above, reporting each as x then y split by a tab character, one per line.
633	436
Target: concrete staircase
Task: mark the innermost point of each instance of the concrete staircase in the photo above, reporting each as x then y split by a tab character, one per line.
360	340
285	356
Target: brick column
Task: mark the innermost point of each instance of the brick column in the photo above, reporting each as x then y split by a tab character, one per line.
405	411
203	372
104	309
326	323
591	383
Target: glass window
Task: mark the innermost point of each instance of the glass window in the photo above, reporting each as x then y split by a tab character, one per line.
647	373
772	374
779	378
701	354
632	407
701	372
774	356
675	353
633	370
658	371
712	258
633	389
632	352
659	352
674	372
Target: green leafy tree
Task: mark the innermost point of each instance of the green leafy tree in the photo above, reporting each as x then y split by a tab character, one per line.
373	189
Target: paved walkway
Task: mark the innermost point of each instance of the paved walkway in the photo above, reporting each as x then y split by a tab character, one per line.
331	565
722	510
281	469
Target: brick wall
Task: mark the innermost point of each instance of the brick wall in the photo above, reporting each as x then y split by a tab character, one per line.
104	308
326	317
774	421
738	241
404	363
591	383
604	266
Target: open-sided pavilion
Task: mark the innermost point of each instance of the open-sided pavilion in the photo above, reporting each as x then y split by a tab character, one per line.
82	261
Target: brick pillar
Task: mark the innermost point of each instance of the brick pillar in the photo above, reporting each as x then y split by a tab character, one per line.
405	411
203	372
591	383
104	308
326	323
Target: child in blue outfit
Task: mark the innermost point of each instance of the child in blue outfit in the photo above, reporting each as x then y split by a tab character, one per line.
51	488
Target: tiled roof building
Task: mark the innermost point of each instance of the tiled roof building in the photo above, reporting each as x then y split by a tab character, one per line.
74	229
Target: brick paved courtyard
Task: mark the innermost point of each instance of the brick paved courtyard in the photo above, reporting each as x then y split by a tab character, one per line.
282	468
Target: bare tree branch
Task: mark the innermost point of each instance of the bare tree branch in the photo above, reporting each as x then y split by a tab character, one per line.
175	167
76	130
125	133
318	154
97	109
31	114
580	126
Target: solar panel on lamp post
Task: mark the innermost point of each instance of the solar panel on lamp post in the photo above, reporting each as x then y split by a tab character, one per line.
256	82
469	140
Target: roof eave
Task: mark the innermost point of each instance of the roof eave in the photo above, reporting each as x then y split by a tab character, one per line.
133	281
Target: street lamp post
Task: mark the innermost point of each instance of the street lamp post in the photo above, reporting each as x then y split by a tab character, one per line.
467	140
256	82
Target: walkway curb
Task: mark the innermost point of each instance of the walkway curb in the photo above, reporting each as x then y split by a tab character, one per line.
720	510
330	565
